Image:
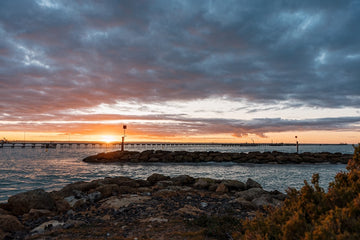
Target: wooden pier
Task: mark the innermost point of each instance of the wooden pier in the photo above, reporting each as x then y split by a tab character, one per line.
52	144
98	144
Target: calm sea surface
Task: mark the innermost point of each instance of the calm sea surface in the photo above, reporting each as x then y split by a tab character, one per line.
23	169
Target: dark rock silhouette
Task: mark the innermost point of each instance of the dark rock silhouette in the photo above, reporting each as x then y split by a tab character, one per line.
252	157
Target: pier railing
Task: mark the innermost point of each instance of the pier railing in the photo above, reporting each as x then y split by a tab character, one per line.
97	144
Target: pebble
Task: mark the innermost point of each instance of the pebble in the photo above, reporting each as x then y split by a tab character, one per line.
204	204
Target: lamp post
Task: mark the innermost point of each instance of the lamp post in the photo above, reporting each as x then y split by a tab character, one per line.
297	145
123	139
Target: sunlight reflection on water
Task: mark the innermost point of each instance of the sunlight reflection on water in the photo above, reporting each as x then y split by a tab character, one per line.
26	169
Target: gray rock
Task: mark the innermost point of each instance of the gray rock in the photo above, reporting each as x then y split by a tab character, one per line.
234	185
78	188
70	212
154	178
251	193
71	200
202	183
47	226
78	193
278	195
9	223
190	210
213	186
264	200
164	184
37	213
204	204
75	202
252	184
221	188
94	196
38	199
244	204
108	190
117	203
183	180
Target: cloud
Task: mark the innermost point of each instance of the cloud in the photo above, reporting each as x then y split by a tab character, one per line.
173	125
58	56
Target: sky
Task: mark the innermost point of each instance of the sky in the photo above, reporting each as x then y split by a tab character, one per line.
180	71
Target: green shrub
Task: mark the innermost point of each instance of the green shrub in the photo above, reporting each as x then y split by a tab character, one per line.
218	227
312	214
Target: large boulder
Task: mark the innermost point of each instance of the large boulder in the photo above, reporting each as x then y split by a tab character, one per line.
264	200
252	184
83	187
154	178
244	204
206	183
202	183
37	213
222	188
189	210
183	180
108	190
3	212
145	155
117	156
234	185
9	223
38	199
269	200
251	193
47	226
117	203
121	181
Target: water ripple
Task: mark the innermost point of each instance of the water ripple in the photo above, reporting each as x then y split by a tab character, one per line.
26	169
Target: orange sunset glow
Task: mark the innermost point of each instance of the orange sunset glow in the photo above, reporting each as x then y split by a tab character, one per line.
108	138
213	72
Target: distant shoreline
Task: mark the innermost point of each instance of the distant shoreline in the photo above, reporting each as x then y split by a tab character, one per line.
210	156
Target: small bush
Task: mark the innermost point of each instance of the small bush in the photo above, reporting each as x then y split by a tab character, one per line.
218	227
312	214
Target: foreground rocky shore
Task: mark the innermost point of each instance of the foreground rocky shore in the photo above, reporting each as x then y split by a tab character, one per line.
159	207
252	157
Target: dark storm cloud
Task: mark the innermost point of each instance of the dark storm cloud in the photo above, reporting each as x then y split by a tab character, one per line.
264	125
60	55
178	125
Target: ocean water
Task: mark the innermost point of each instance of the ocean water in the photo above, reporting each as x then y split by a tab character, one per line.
23	169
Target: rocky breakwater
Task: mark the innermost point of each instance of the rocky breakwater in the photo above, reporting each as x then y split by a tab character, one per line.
251	157
159	207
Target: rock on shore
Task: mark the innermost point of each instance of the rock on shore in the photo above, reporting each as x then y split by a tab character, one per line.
125	208
184	156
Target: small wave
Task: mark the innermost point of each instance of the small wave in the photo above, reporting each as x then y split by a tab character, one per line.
23	170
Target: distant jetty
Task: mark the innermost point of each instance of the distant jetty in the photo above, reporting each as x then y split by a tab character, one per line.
94	144
193	157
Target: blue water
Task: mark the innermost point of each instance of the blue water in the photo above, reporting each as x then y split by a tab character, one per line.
31	168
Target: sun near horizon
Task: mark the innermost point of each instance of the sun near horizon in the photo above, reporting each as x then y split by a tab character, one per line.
305	137
109	138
